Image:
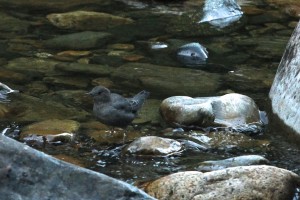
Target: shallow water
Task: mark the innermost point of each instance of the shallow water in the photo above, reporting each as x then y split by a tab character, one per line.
246	60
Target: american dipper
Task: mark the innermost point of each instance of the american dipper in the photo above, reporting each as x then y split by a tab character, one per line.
115	110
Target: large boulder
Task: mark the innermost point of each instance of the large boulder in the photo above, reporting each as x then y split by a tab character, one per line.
250	182
28	174
284	94
229	110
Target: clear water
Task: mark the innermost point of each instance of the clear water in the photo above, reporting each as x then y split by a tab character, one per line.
253	51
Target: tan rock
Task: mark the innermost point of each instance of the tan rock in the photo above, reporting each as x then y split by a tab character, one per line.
86	20
247	183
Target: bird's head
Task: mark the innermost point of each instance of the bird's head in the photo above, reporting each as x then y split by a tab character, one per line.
100	94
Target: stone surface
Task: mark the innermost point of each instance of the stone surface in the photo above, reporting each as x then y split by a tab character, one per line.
284	93
67	81
79	41
248	182
28	174
149	112
86	20
89	69
153	145
213	165
156	79
13	25
227	110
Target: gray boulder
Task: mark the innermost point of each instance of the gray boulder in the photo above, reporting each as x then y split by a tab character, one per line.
284	93
27	174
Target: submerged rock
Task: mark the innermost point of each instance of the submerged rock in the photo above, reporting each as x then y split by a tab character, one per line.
84	40
153	145
213	165
230	110
28	174
192	54
248	182
87	20
156	79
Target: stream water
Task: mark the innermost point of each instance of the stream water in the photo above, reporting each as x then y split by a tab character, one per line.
245	60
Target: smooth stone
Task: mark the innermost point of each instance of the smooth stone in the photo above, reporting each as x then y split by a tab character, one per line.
85	40
11	76
34	66
284	93
250	79
246	160
4	111
192	54
104	81
120	46
51	127
227	110
74	53
31	109
273	16
13	25
36	88
35	175
133	57
247	182
87	20
67	81
76	98
89	69
153	78
153	145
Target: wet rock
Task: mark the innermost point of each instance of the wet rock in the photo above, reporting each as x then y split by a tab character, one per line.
11	76
36	175
120	46
32	66
103	134
84	40
227	110
67	81
153	145
69	159
273	16
284	93
40	141
213	165
76	98
51	127
250	79
87	20
155	79
13	25
248	182
31	109
76	54
105	82
221	13
192	54
89	69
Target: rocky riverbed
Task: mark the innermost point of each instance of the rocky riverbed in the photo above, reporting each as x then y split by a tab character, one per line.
53	53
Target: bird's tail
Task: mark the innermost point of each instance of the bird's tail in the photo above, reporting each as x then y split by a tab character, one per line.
138	100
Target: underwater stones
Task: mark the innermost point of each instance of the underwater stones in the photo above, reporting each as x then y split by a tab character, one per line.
153	145
227	110
284	93
67	81
86	20
34	66
84	40
246	182
149	113
89	69
155	78
13	25
246	160
192	54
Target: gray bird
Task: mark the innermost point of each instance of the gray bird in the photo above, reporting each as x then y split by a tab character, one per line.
115	110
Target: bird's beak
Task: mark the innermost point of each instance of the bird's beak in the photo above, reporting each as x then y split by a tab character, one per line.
89	93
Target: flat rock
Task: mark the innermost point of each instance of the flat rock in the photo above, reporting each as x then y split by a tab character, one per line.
156	79
212	165
87	20
89	69
28	174
247	182
84	40
153	145
67	81
13	25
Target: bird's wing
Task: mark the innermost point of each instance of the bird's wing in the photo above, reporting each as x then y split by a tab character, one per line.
120	103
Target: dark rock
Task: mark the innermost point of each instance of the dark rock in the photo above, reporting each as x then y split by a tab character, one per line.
28	174
89	69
